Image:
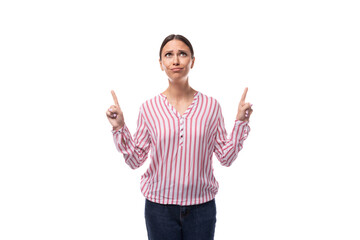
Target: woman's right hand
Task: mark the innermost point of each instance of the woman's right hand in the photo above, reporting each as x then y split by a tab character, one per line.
115	115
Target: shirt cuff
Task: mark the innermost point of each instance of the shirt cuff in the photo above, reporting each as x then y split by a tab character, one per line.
121	130
240	122
240	133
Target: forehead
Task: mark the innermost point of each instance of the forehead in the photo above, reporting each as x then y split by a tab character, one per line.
175	45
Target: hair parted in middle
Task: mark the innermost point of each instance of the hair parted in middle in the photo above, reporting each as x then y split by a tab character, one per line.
177	37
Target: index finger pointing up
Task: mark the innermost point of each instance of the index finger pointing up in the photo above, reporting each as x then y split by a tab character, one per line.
244	95
115	98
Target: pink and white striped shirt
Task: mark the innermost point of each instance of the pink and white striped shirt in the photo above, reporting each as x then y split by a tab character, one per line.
182	147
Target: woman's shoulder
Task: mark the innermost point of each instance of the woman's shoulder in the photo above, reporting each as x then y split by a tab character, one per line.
208	98
151	101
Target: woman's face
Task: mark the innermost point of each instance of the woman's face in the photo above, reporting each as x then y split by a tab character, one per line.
176	60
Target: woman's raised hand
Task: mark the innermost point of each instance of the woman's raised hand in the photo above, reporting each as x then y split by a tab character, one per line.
114	114
244	109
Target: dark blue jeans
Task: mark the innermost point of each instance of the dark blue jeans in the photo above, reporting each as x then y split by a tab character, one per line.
175	222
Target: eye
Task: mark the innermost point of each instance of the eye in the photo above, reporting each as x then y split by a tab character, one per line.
183	54
168	54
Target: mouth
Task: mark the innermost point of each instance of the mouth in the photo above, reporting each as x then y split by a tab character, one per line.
176	69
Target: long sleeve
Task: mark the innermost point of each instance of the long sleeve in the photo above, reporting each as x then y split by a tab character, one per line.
134	149
226	149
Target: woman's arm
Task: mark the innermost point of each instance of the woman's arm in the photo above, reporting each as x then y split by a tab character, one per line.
134	149
227	148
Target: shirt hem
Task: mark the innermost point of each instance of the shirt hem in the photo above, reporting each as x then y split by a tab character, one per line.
177	202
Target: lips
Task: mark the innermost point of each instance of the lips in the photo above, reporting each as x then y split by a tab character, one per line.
176	69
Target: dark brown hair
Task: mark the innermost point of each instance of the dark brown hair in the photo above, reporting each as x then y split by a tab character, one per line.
178	37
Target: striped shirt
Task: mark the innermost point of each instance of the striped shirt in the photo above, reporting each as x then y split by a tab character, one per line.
181	170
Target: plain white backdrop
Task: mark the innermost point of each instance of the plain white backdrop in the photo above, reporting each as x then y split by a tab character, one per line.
297	176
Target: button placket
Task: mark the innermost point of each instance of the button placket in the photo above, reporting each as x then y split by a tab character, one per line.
181	130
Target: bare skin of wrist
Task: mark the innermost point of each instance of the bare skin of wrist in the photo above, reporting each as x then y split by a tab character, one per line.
119	127
238	118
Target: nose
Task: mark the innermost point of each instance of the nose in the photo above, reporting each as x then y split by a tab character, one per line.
176	60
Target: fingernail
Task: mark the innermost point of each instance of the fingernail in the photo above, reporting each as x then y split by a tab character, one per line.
110	110
250	105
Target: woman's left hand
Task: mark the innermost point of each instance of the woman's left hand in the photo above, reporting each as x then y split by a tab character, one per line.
244	109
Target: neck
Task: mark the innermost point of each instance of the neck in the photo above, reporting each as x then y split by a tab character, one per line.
179	90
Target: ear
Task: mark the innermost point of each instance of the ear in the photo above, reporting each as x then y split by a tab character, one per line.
192	64
162	69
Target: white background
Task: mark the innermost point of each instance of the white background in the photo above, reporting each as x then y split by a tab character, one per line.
298	174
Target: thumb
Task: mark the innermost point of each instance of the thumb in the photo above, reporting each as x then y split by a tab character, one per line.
246	106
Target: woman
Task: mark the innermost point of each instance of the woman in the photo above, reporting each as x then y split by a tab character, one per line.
183	128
